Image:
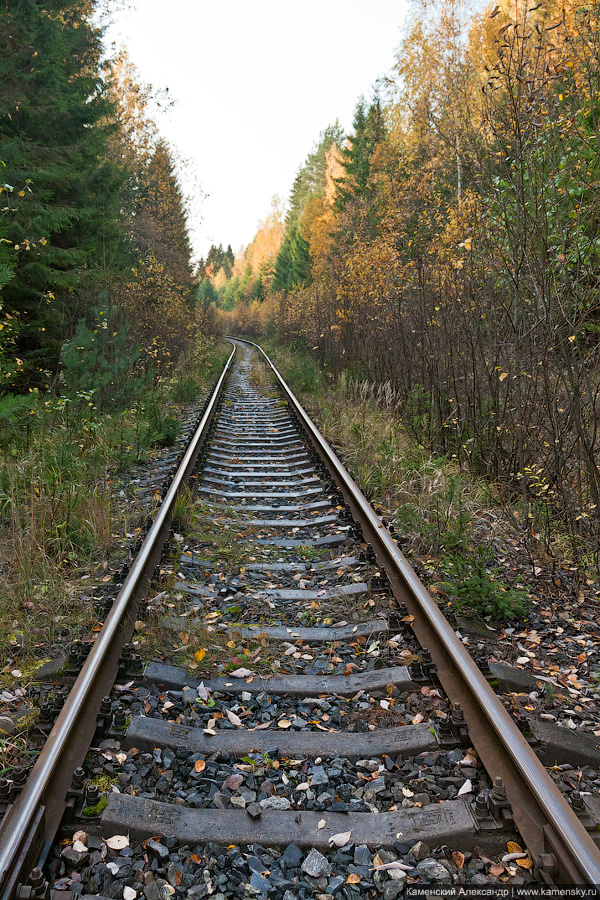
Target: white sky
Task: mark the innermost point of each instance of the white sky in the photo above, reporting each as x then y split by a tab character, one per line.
254	83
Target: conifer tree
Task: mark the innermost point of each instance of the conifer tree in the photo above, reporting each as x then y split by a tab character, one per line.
54	125
161	222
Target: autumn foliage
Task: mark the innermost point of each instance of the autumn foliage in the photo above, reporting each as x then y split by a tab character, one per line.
459	258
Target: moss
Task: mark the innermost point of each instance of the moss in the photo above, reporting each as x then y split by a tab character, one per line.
98	809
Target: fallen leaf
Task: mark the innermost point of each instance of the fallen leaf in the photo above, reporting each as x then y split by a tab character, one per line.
458	859
200	654
466	788
526	863
353	878
199	765
496	870
513	847
396	864
322	824
284	723
418	718
232	782
235	720
117	842
240	673
340	839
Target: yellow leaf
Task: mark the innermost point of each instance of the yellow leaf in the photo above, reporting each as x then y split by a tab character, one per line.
199	765
526	863
513	847
572	338
503	375
468	244
200	654
353	878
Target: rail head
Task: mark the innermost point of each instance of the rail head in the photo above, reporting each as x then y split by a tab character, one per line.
546	821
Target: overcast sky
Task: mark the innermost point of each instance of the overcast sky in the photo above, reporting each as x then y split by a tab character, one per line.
254	83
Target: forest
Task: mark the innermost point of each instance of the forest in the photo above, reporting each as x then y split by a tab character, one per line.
448	250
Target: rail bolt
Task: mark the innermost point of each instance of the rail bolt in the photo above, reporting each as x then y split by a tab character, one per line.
547	862
481	805
120	719
78	778
38	882
4	791
92	794
46	713
498	789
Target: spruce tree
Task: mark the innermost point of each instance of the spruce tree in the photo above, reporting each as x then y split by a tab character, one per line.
54	126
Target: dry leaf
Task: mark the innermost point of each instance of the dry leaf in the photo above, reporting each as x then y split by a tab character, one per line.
200	654
117	842
322	824
235	720
232	782
199	765
496	870
513	847
458	859
526	863
284	723
340	839
353	878
240	673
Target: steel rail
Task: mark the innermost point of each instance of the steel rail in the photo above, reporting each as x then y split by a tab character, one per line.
29	827
555	837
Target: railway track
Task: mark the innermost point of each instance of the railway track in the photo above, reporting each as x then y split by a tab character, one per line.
328	735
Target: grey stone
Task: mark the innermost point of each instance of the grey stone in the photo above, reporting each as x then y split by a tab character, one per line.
153	892
254	810
275	803
397	874
221	800
158	848
75	858
197	891
292	856
319	776
316	865
420	851
377	785
238	802
392	889
262	884
434	871
362	856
